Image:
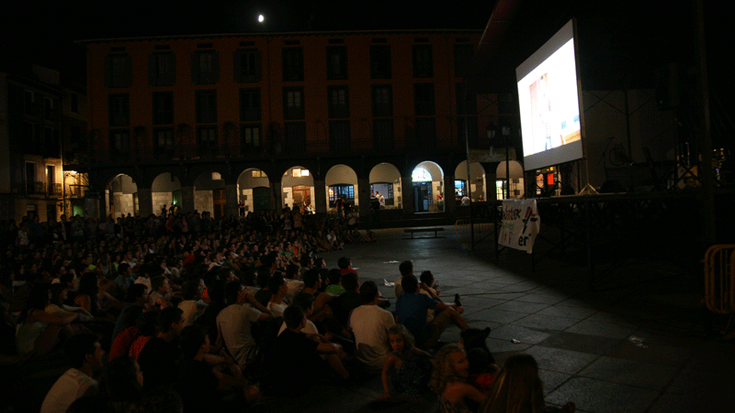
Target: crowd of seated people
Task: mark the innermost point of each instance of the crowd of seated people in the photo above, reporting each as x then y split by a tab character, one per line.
194	313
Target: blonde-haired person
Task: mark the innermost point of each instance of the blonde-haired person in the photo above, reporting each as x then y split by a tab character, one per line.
519	389
449	380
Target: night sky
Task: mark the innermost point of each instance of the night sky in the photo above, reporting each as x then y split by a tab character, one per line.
45	34
655	33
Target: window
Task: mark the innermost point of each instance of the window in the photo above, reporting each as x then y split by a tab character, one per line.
250	136
380	62
162	69
249	105
163	108
248	66
339	102
293	103
207	140
339	136
293	64
347	192
50	109
467	117
32	138
423	99
205	67
336	62
51	145
206	106
119	107
295	137
462	59
382	101
120	143
163	143
299	173
118	71
423	61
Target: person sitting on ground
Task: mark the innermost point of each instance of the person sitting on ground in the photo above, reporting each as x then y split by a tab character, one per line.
449	380
293	280
301	361
405	268
124	277
160	291
205	387
411	311
124	340
147	324
137	297
483	369
85	356
235	321
120	389
335	282
312	283
306	302
192	304
370	324
278	288
345	265
38	331
158	357
518	388
57	307
407	368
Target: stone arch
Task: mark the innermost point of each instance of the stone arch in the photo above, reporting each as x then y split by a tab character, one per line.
121	196
254	191
166	191
477	181
297	187
341	180
209	193
428	187
386	180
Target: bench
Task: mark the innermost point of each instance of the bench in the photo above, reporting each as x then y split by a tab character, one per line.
412	231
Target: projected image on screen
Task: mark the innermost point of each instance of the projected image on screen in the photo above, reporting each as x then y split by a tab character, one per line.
549	101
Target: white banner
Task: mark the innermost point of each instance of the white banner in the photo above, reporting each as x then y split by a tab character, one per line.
521	224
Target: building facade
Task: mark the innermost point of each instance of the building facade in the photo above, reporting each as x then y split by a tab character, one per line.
227	123
41	113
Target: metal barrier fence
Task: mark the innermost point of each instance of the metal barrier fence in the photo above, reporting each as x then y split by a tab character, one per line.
463	232
719	282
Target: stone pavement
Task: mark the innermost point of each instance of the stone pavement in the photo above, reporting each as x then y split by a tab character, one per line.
638	343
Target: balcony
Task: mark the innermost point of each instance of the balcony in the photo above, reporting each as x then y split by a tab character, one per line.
41	189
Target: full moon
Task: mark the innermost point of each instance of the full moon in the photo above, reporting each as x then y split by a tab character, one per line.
261	18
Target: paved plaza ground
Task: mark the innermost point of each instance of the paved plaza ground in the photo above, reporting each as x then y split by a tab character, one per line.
639	342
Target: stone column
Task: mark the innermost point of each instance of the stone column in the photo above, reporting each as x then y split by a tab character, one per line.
145	202
407	194
450	205
93	204
276	190
320	193
231	197
187	199
363	195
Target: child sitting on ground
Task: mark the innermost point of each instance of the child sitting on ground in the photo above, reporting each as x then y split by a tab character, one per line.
449	380
407	368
